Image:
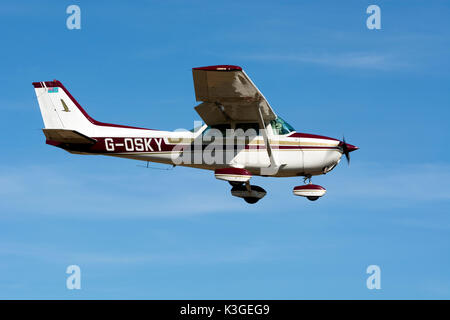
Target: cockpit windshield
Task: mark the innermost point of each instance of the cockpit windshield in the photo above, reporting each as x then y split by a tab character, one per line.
281	127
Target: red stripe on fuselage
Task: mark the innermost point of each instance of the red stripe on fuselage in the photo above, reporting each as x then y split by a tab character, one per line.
135	144
157	144
308	135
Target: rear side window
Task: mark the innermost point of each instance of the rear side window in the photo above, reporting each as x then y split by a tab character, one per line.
221	127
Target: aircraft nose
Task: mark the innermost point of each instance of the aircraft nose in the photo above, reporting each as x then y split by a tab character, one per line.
351	147
347	148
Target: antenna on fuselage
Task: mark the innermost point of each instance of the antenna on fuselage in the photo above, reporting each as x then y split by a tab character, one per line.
156	168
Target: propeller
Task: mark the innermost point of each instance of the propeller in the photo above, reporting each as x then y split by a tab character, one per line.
347	148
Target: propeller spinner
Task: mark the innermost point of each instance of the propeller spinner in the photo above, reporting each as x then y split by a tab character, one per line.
347	148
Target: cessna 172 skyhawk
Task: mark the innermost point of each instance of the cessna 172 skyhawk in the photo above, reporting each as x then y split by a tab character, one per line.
231	107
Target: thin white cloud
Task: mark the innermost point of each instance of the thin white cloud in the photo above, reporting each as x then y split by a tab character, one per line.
55	190
436	224
340	60
70	193
198	255
404	185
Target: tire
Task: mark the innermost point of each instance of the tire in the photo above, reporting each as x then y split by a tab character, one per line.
312	198
251	200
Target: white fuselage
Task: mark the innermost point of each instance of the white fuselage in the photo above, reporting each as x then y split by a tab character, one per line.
68	126
298	154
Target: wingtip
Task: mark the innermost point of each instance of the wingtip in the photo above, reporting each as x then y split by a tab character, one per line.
222	67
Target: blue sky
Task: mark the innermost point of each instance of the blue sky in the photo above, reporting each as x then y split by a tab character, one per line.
179	234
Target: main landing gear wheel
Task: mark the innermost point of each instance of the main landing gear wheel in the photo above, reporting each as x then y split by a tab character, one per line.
255	194
312	198
251	200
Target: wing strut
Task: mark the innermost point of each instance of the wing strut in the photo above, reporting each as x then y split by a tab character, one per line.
273	168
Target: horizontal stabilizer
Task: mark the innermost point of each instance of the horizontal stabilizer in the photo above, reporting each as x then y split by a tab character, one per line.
67	136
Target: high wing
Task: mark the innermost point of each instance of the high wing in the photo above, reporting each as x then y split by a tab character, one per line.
227	94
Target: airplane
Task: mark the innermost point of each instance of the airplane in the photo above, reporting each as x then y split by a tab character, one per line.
241	137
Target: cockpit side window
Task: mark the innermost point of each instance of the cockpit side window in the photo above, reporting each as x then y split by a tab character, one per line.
247	126
221	127
281	127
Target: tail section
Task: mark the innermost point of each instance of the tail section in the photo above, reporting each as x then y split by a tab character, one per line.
59	109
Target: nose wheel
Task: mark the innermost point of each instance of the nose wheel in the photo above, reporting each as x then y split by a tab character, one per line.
310	191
